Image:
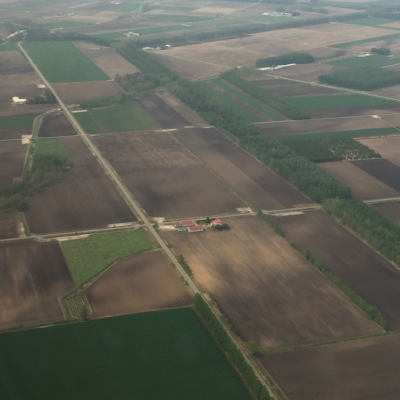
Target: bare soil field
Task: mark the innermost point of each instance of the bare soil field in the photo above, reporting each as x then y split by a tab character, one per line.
322	125
107	59
363	185
8	224
352	261
383	170
56	124
354	111
6	134
390	210
256	183
366	47
387	146
27	109
96	17
12	161
77	92
140	283
392	92
255	276
190	69
182	109
84	198
161	111
365	369
164	177
15	70
33	276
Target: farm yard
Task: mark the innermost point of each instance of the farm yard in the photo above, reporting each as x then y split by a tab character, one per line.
176	351
256	183
353	262
164	177
249	267
56	124
33	276
84	198
124	289
362	369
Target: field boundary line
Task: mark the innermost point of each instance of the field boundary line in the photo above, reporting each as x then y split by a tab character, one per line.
116	179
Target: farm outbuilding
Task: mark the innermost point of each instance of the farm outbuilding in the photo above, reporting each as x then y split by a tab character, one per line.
196	228
184	224
216	222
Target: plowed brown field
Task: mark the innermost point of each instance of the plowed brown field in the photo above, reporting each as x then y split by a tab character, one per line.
56	124
12	161
8	224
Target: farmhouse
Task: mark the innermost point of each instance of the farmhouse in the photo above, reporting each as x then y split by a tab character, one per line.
216	222
184	224
17	100
196	228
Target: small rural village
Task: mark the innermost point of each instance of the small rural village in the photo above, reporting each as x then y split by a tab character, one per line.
200	199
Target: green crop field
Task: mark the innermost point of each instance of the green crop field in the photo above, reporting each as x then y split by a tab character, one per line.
91	255
162	355
340	134
337	101
124	118
371	21
8	46
248	100
123	8
70	24
363	41
177	18
63	62
20	121
370	61
248	117
52	146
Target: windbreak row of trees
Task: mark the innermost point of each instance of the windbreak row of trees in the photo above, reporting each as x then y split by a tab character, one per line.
372	311
383	51
234	353
380	233
263	95
364	78
41	36
326	150
48	98
289	58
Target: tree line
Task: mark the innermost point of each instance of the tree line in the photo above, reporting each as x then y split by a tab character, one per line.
236	356
372	311
289	58
48	98
42	36
266	97
363	78
383	51
327	150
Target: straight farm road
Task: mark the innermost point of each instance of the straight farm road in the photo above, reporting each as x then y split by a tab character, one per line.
117	181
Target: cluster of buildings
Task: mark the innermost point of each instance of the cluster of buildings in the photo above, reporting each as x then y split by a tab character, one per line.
278	14
190	226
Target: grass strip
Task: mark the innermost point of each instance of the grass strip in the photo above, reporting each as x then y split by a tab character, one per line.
89	256
8	46
220	98
122	118
161	355
363	41
50	146
247	100
371	61
339	134
371	21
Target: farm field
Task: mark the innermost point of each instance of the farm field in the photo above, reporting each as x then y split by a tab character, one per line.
387	147
250	267
363	185
352	261
9	225
123	118
175	350
89	256
56	124
256	183
15	70
368	40
78	92
382	170
107	59
164	177
164	114
84	198
305	73
390	210
139	283
33	276
372	61
63	62
363	369
323	125
12	161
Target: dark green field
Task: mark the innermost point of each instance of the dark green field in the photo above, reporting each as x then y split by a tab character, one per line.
163	355
20	121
